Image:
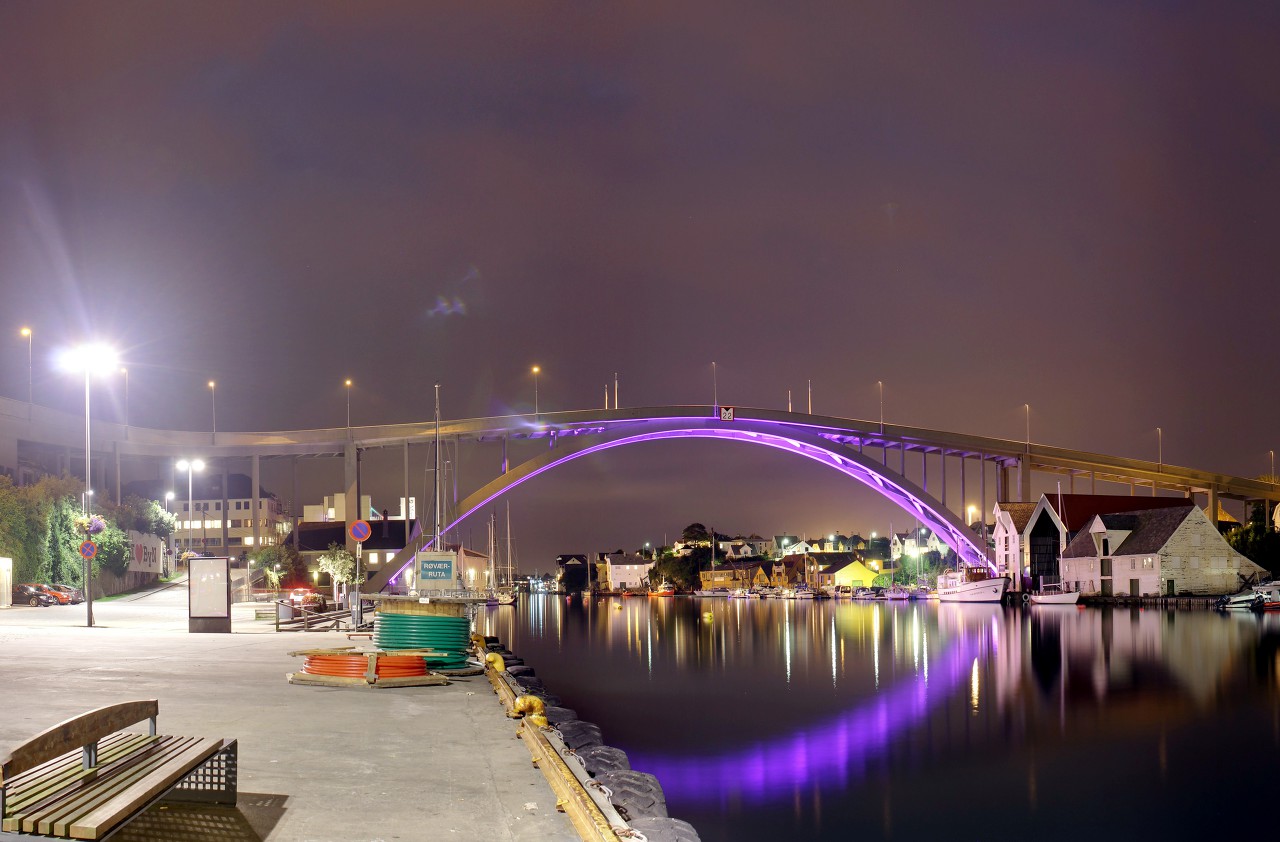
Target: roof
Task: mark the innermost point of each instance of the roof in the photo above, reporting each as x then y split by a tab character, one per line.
1020	513
834	562
1077	510
1148	530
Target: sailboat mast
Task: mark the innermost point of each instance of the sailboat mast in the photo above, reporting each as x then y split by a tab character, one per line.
510	571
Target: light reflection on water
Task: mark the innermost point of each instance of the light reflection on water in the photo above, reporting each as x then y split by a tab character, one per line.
776	718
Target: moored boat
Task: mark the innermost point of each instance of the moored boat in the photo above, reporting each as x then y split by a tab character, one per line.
1054	595
971	583
1258	597
896	592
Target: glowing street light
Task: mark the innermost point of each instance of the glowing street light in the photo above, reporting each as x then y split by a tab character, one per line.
347	384
536	371
213	397
91	359
190	466
972	511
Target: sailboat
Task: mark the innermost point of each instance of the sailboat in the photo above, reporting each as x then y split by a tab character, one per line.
507	590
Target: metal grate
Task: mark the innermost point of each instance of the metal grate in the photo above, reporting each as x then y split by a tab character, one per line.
213	782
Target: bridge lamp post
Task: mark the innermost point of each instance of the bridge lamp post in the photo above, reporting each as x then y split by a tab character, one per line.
715	389
1159	450
347	384
190	466
26	333
1273	466
213	399
536	370
125	372
1027	407
880	386
972	510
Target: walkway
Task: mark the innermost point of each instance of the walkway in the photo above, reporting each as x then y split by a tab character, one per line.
315	763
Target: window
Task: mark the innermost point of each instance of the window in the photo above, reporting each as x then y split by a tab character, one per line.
1146	564
217	507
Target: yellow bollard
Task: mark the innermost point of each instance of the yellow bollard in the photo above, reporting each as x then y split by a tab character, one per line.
494	660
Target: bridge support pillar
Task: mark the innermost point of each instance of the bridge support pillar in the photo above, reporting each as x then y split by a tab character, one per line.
1212	510
1024	480
255	475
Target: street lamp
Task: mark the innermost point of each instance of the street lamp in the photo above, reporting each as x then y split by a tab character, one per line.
536	370
190	466
91	359
347	383
26	332
972	511
125	372
1027	407
1159	450
715	390
880	386
213	397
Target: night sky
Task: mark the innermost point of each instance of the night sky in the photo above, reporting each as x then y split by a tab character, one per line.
1072	205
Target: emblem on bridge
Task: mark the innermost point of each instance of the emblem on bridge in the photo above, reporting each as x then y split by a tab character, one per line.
726	413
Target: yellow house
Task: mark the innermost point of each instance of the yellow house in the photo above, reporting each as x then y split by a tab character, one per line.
732	575
847	569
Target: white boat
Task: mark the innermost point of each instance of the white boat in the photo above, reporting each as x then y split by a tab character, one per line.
803	592
506	597
1255	597
971	583
897	592
864	593
712	592
1054	595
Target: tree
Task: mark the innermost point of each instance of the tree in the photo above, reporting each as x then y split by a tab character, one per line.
695	533
280	563
340	564
1257	540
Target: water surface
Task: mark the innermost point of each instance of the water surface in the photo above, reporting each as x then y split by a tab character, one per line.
835	720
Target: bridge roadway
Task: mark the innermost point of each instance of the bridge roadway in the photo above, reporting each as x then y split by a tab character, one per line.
873	453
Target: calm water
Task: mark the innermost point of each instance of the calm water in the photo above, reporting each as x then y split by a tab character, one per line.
777	719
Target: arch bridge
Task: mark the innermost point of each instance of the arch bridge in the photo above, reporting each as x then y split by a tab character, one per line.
896	461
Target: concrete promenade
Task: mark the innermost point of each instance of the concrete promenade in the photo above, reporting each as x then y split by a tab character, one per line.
316	763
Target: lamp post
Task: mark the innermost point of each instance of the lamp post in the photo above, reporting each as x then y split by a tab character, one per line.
125	372
536	371
90	359
190	466
213	398
972	510
1027	407
26	332
347	383
715	389
880	386
1159	450
1273	466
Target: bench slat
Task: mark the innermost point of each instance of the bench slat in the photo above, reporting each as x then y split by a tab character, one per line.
148	789
50	778
59	809
68	806
74	733
71	805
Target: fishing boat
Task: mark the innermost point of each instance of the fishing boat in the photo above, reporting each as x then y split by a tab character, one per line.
971	583
1053	594
665	589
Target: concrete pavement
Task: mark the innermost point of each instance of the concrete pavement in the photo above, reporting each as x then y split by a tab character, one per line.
316	763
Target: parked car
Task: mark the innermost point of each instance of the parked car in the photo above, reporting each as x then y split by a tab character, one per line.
58	596
27	595
74	593
309	599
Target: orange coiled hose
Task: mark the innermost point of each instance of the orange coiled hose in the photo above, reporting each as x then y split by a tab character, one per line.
356	666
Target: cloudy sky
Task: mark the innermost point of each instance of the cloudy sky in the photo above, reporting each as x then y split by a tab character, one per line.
1067	204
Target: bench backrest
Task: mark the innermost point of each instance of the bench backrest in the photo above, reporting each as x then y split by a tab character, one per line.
77	732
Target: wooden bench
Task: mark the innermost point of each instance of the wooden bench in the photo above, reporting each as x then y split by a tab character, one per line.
87	776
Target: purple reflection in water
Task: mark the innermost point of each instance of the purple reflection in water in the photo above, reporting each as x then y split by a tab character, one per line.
836	749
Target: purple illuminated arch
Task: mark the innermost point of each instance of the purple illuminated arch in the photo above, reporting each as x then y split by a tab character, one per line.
929	511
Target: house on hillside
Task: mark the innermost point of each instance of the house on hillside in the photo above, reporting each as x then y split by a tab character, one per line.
734	574
916	542
1171	551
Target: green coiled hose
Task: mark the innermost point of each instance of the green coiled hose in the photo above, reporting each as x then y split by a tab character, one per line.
450	636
